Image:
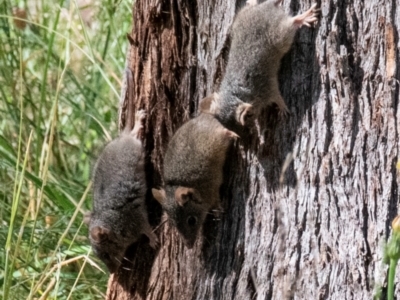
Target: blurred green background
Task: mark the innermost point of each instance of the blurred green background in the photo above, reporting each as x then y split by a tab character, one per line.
61	66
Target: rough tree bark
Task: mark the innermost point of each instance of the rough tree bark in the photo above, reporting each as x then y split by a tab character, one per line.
313	231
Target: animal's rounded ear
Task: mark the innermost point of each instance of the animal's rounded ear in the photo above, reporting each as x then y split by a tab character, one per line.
245	114
86	217
99	234
159	195
183	195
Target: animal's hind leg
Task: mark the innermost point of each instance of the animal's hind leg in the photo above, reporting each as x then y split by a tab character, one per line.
308	18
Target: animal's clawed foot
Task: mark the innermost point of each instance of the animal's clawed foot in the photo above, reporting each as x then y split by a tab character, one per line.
251	2
139	118
209	104
217	213
230	134
308	18
283	112
153	240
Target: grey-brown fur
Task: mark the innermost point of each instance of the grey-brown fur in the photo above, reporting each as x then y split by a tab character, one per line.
119	215
261	34
193	173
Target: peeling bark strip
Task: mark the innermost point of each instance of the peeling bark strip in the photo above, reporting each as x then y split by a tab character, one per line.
316	235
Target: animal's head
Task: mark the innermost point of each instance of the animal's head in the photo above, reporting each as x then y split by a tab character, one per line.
106	245
185	209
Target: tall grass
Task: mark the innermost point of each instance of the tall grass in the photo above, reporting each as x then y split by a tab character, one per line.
60	68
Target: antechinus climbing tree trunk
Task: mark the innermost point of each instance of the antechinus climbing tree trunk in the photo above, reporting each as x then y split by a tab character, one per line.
309	199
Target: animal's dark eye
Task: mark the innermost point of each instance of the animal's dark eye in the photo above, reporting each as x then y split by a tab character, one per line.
192	221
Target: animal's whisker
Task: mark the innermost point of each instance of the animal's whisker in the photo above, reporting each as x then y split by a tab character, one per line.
160	225
117	259
125	258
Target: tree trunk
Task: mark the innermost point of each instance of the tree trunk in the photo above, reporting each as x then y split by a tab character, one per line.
308	200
